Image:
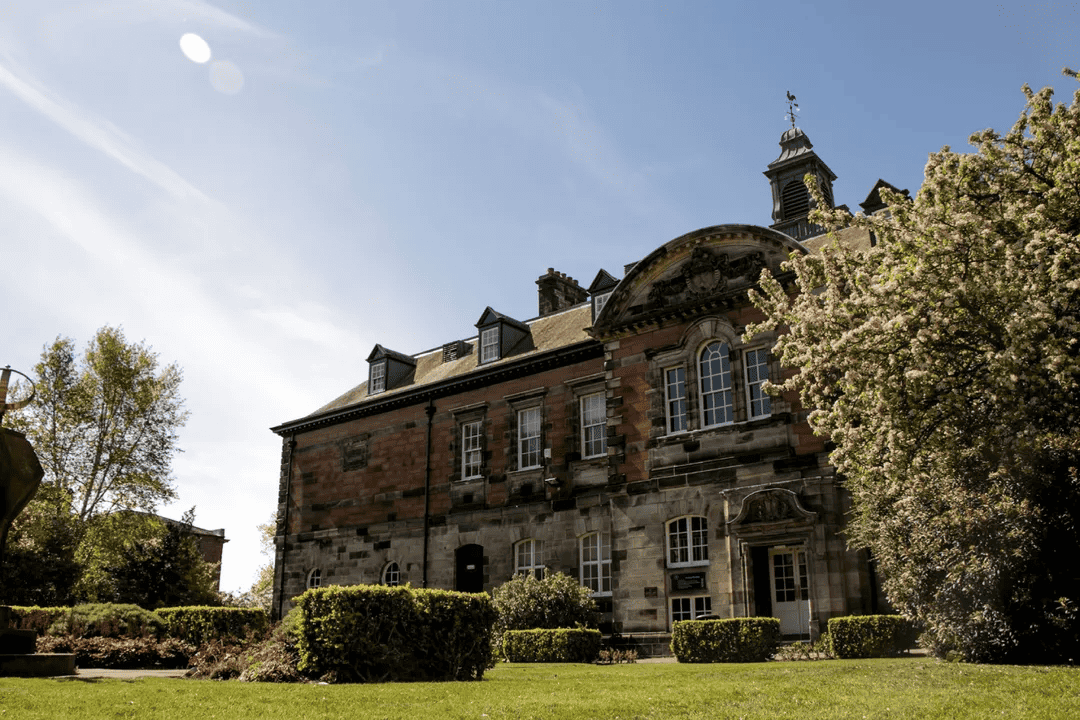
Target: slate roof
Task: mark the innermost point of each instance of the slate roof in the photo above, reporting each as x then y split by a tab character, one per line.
548	333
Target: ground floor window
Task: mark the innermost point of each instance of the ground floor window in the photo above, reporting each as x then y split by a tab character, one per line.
529	559
596	563
391	575
690	608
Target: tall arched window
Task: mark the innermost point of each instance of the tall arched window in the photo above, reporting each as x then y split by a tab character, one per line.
314	578
716	401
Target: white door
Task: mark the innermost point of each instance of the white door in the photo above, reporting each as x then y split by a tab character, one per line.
791	592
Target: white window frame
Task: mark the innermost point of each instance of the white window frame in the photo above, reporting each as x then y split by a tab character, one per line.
529	558
755	374
675	400
530	434
314	578
489	344
593	425
690	608
687	541
391	574
599	302
595	569
377	378
715	385
472	450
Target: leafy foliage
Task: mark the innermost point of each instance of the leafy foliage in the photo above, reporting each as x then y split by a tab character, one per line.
557	601
561	645
106	620
865	636
123	652
945	366
373	633
729	640
200	624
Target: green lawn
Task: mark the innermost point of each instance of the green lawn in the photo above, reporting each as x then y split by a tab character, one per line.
901	688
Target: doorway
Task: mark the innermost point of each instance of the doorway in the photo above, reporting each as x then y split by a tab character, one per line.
469	568
790	589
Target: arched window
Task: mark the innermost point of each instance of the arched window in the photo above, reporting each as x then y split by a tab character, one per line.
391	574
314	578
595	571
688	541
716	402
529	559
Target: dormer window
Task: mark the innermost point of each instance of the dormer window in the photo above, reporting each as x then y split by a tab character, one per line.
388	370
501	336
600	291
377	381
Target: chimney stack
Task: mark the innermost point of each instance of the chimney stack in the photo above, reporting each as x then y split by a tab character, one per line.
559	292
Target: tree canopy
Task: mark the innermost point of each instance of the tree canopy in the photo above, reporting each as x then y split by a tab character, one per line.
104	427
944	365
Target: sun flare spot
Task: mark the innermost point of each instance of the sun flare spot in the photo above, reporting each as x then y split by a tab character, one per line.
194	47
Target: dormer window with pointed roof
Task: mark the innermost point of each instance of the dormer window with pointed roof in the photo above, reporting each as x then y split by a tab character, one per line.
388	369
499	335
600	290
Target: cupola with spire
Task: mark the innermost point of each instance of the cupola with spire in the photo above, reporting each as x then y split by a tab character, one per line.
791	200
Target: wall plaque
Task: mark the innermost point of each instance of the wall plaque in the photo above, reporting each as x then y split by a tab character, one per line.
688	581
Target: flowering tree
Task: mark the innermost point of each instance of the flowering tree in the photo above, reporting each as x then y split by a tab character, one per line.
944	364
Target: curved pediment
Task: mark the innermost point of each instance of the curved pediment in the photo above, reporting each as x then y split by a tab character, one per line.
699	270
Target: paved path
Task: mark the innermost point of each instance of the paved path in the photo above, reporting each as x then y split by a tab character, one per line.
81	673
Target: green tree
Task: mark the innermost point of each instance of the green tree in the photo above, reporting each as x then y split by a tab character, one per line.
104	426
945	366
164	570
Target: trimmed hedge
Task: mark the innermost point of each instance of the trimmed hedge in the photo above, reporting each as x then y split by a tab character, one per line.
109	620
38	619
547	646
198	625
373	633
731	640
866	636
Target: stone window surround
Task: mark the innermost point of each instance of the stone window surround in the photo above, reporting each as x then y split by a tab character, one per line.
580	388
518	402
602	564
314	578
465	416
687	355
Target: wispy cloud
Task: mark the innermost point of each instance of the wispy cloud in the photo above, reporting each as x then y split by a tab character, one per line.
95	132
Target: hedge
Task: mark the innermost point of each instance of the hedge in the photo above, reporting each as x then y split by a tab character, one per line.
198	625
732	640
373	633
108	620
866	636
546	645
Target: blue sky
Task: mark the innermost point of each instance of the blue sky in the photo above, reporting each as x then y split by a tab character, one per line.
341	174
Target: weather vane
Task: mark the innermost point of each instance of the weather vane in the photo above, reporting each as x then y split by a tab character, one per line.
792	106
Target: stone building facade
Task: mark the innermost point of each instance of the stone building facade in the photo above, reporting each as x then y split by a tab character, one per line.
622	437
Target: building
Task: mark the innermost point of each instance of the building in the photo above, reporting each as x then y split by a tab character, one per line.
622	436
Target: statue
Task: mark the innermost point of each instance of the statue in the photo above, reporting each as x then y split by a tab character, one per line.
20	471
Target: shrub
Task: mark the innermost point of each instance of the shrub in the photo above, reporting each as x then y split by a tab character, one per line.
371	633
198	625
273	658
731	640
545	646
39	619
113	652
866	636
557	601
106	620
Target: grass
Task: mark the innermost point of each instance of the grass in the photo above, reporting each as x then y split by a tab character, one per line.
901	688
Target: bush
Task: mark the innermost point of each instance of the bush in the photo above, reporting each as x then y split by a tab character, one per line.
113	652
557	601
732	640
106	620
39	619
866	636
371	633
198	625
546	646
273	658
